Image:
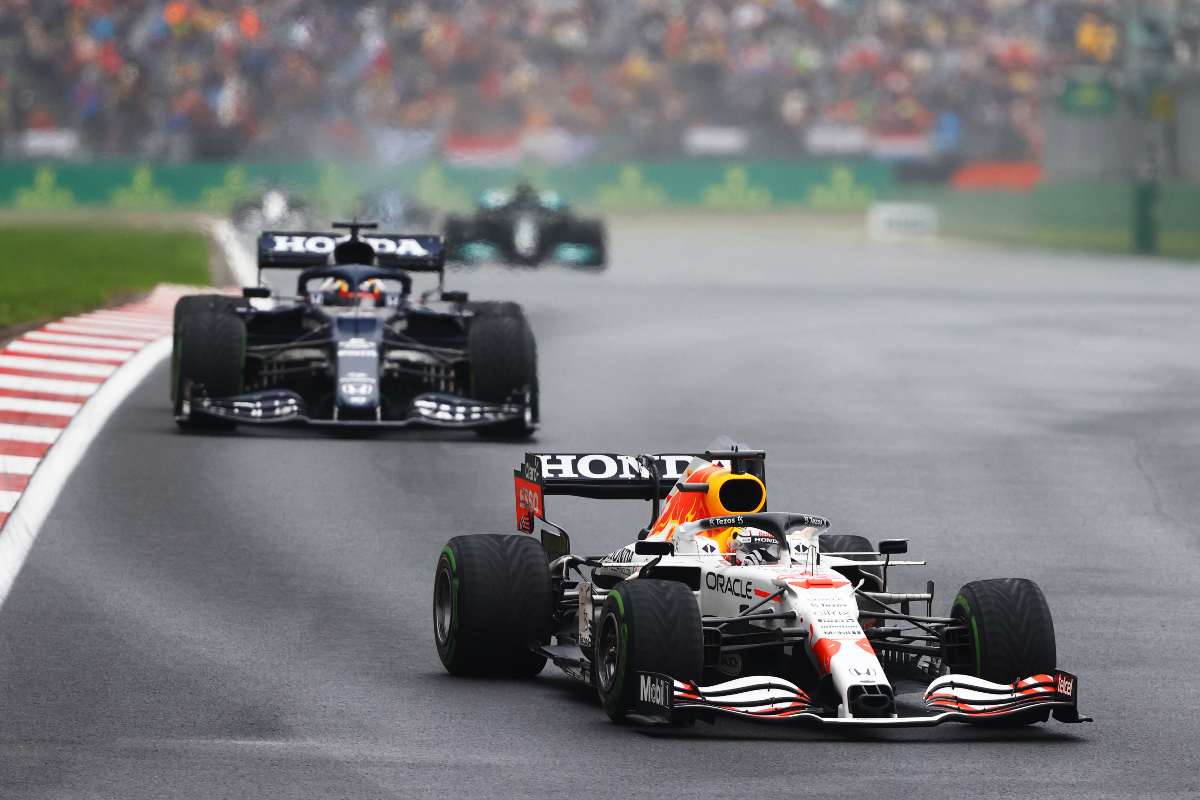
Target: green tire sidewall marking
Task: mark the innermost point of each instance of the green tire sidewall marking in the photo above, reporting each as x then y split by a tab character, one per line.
962	601
622	644
451	639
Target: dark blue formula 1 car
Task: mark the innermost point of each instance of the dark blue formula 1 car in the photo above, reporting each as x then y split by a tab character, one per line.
354	347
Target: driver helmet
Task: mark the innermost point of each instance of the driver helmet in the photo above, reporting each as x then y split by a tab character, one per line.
337	292
755	546
524	191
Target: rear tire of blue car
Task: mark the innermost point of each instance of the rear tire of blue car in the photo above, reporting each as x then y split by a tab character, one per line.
210	352
645	625
503	364
493	601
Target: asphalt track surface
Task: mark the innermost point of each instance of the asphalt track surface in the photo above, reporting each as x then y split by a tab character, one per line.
247	616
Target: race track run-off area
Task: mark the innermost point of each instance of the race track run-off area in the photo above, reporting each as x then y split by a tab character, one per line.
247	615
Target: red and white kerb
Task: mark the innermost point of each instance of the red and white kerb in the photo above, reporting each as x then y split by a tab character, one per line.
47	375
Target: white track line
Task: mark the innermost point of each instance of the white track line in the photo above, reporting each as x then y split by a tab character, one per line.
24	383
8	500
47	482
90	342
94	353
28	433
57	367
18	465
56	407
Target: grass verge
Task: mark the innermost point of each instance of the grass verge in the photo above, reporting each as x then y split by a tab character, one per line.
49	271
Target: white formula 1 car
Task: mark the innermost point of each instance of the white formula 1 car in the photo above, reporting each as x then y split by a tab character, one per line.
720	607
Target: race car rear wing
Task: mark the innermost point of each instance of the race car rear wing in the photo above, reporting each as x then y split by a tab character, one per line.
609	476
302	250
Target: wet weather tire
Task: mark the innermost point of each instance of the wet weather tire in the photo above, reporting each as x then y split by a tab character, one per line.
492	600
188	305
645	625
456	233
503	357
851	543
1010	634
592	234
210	352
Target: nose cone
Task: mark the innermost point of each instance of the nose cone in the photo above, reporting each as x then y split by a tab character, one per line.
357	379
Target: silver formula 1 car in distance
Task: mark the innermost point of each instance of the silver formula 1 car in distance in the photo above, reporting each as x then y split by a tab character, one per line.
721	608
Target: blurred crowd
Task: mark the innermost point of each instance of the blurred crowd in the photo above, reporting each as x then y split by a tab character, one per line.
181	79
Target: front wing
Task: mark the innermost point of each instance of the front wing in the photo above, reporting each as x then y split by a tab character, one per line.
564	253
285	407
951	698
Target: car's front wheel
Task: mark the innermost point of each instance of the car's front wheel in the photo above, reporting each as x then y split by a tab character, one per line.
210	353
645	625
190	304
1004	633
503	363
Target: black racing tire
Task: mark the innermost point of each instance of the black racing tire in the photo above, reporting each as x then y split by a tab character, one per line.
1010	633
210	351
592	233
187	305
496	308
492	601
645	625
853	543
503	363
456	232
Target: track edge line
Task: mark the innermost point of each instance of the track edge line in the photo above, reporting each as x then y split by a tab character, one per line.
21	529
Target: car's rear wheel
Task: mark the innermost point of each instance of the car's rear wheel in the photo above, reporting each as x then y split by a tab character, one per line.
836	543
646	625
210	355
503	363
493	600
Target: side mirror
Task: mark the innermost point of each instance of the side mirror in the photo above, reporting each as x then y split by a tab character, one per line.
893	547
255	291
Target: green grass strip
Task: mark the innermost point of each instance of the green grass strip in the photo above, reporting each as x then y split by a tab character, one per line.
49	271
